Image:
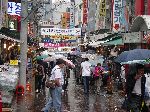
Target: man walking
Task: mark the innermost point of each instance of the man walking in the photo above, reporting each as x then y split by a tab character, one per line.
57	76
86	73
135	88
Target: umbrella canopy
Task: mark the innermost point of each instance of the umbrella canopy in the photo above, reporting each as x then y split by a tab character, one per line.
49	59
69	63
136	55
58	56
41	57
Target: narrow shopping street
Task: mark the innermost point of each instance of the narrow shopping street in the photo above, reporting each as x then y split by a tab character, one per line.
75	55
72	101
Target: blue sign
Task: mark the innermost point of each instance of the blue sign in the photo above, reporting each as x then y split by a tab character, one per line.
14	8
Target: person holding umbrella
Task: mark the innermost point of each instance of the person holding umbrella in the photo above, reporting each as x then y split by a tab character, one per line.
135	88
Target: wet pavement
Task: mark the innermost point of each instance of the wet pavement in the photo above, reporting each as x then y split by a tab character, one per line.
72	101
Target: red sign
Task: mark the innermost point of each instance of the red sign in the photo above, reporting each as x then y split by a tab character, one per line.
55	45
139	7
85	11
116	26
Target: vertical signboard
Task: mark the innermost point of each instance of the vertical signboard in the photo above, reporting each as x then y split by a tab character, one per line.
139	7
125	17
102	8
117	10
14	8
91	15
72	21
85	12
148	7
64	21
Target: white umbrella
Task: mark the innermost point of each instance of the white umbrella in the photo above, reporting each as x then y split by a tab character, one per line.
51	53
49	59
58	56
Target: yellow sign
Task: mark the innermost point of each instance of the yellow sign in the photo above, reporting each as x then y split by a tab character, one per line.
102	8
64	22
13	62
58	37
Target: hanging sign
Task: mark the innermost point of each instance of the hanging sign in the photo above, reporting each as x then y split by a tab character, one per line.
117	9
14	8
57	31
72	15
102	8
13	62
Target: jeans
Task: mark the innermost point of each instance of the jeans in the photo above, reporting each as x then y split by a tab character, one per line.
86	80
38	82
54	101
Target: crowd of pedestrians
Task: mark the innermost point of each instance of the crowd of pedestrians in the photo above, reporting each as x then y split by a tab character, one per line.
130	80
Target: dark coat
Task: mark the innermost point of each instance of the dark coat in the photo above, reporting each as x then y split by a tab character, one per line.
131	83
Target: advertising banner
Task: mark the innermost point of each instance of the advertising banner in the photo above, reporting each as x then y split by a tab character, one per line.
102	8
125	17
72	21
53	45
58	31
64	22
64	37
85	11
117	10
14	8
91	15
134	37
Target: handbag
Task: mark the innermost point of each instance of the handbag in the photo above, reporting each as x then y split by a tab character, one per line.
50	84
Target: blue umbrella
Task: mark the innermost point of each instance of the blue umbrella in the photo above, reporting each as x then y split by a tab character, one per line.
132	55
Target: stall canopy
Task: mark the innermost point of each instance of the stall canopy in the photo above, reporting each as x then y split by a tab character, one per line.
114	42
8	34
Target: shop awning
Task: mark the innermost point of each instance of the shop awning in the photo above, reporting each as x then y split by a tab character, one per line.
8	34
114	42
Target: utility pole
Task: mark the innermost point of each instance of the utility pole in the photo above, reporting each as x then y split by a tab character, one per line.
23	44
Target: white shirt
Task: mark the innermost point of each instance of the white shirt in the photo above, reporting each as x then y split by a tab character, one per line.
86	70
122	73
57	74
137	87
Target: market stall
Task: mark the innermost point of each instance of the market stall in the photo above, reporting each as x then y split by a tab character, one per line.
8	82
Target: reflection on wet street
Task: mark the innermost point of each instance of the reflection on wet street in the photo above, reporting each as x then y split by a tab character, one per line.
72	101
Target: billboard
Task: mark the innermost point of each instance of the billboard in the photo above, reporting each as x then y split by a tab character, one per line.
102	8
58	31
72	18
85	11
116	15
53	45
91	15
14	8
134	37
125	17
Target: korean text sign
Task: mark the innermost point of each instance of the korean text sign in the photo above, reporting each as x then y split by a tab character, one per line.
57	31
117	10
14	8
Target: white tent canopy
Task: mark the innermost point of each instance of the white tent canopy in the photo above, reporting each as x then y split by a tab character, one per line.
95	44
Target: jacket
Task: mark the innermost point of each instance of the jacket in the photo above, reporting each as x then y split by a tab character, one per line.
130	83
